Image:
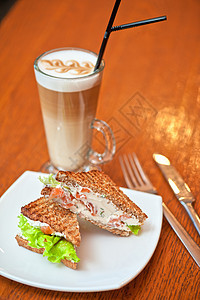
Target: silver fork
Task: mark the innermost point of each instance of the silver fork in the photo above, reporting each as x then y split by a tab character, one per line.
136	179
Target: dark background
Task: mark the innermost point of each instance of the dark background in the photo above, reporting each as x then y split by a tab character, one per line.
5	6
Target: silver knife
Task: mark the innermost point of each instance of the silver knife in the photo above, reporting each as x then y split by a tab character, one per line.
186	239
179	187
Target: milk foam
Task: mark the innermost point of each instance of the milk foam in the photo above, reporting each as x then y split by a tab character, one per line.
68	81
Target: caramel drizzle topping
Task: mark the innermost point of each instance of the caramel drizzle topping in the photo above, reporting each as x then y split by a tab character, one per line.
70	65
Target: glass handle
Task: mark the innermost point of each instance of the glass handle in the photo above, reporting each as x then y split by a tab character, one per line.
110	144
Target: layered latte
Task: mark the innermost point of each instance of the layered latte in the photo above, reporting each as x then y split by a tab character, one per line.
68	89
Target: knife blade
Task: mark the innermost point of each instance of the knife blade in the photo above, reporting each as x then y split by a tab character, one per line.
179	187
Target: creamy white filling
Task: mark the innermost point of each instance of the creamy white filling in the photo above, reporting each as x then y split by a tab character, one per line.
38	224
105	211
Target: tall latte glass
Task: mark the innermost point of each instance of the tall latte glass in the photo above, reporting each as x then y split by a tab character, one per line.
69	89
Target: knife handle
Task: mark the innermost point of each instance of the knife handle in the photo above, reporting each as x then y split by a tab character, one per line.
186	239
193	215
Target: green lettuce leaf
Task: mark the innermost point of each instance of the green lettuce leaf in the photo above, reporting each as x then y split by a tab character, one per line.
61	250
49	180
56	248
134	228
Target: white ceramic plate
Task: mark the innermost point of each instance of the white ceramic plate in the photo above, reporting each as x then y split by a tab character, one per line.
107	261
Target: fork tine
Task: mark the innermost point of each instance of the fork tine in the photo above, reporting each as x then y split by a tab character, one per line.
134	167
125	173
134	175
130	171
143	175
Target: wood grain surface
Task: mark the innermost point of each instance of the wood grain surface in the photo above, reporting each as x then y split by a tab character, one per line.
150	96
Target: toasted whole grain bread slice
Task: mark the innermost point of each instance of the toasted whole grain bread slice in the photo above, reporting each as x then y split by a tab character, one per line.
24	243
101	183
58	218
46	191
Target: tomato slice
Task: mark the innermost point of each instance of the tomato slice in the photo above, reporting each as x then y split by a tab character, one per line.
80	196
115	221
57	193
91	208
85	190
72	197
67	205
47	229
66	198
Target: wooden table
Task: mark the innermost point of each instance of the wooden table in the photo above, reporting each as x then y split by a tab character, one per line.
150	96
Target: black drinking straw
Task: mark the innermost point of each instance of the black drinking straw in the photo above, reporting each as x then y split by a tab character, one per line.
120	27
139	23
107	34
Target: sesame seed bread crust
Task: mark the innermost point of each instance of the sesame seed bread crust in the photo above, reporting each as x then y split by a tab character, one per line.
24	243
58	218
101	183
